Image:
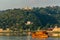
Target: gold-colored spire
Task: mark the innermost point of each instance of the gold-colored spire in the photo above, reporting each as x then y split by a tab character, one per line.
27	8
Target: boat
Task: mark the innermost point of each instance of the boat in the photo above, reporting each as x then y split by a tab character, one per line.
40	34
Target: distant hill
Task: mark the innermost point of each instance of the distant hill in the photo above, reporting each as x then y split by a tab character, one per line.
39	17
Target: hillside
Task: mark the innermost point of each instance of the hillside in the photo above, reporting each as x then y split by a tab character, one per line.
39	17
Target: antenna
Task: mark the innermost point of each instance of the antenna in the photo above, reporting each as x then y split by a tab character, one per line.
53	2
27	5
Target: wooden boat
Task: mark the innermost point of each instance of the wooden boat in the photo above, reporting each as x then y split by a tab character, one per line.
39	34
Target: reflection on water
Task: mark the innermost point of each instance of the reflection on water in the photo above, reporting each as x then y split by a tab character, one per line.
24	38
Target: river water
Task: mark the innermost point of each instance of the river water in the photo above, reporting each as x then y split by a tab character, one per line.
24	38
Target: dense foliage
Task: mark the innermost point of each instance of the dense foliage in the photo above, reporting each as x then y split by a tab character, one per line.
40	18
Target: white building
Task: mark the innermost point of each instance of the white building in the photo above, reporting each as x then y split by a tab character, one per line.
28	23
56	29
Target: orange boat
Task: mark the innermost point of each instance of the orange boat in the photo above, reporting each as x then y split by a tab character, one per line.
39	34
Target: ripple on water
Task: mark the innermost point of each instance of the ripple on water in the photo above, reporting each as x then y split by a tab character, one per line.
24	38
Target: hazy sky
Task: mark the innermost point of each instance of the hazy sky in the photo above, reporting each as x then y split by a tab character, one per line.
8	4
